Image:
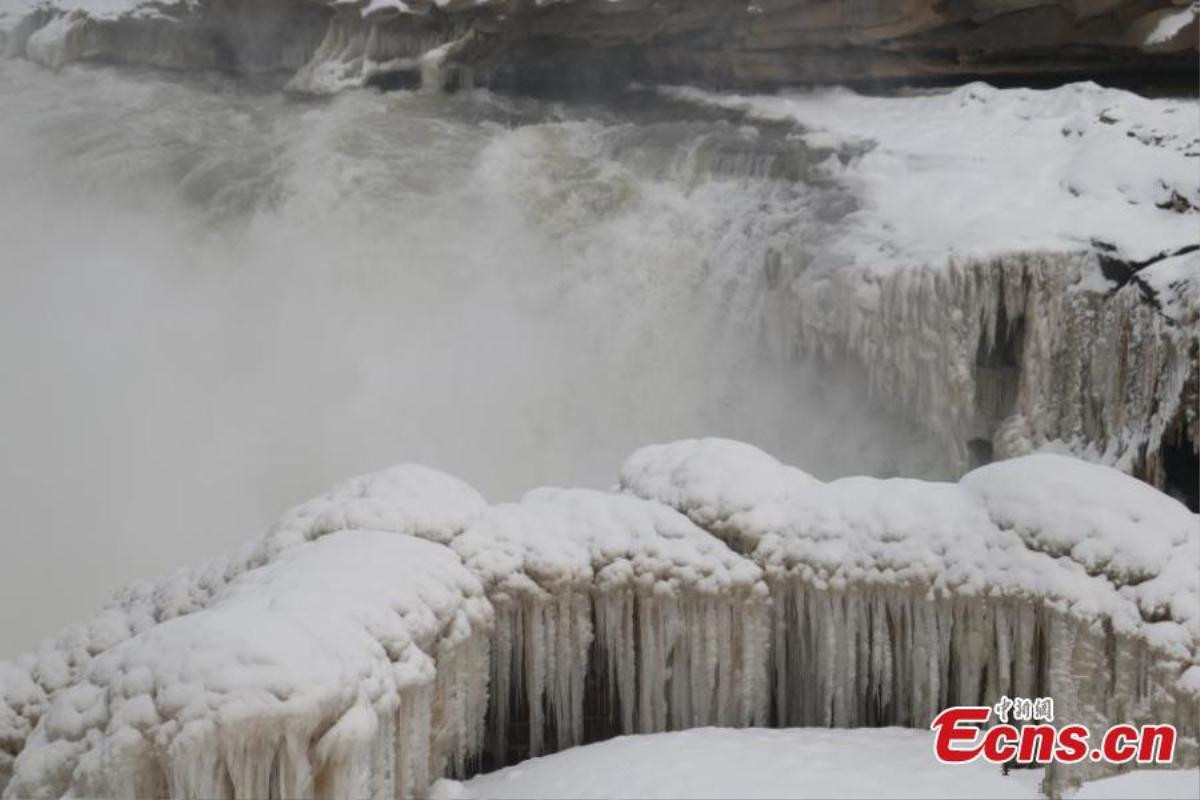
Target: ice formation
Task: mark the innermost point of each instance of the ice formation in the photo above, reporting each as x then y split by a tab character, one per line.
397	629
895	598
1012	354
1045	297
252	664
670	623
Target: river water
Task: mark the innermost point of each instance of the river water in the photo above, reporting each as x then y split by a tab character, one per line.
216	299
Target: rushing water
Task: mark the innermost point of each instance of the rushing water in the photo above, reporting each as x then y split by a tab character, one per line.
216	299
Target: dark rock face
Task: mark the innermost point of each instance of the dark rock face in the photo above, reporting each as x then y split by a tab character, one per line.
233	35
589	45
770	43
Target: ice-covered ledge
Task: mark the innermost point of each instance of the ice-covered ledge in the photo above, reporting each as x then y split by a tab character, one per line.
1014	269
399	628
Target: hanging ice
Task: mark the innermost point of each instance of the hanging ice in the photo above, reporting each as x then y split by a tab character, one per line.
397	629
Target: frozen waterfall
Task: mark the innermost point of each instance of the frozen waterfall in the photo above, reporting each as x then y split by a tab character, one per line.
287	288
398	628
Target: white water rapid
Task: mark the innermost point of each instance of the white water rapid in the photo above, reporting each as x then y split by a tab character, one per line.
209	285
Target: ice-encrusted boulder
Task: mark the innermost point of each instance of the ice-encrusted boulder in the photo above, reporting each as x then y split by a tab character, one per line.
336	670
406	498
397	629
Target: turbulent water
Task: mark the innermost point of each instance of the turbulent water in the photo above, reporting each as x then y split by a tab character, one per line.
216	298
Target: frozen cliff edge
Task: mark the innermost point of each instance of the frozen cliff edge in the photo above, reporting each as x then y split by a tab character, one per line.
1019	269
603	44
398	628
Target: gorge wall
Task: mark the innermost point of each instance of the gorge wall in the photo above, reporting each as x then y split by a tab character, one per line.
604	44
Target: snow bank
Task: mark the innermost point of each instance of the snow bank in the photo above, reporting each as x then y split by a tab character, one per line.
791	763
1152	784
722	763
397	629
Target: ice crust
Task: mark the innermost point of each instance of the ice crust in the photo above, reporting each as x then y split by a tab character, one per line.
979	170
397	628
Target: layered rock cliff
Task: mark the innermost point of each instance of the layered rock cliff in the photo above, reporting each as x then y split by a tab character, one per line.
603	44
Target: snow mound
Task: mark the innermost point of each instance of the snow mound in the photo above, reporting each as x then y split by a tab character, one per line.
276	670
1116	529
711	479
408	498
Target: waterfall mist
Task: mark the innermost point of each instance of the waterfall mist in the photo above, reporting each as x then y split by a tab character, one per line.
216	300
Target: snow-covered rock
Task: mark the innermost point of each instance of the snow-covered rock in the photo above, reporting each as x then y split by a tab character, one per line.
569	566
1018	271
333	691
979	171
1025	556
397	629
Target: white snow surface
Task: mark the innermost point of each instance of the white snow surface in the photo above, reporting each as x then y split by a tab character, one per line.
755	763
1176	285
1152	784
792	763
978	170
713	479
407	498
574	536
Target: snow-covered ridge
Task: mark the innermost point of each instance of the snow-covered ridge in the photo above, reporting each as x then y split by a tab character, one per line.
396	628
1081	537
